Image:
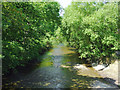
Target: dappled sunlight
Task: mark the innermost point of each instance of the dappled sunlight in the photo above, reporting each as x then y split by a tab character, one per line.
42	49
90	82
78	66
67	51
82	70
80	83
85	71
64	66
46	62
61	50
64	70
46	84
89	72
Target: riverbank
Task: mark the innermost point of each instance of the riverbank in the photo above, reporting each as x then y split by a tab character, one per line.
111	73
60	67
29	64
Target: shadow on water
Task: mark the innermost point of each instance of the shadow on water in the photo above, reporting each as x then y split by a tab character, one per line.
59	68
78	81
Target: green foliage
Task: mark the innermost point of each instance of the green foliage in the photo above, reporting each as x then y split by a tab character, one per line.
91	28
30	28
27	28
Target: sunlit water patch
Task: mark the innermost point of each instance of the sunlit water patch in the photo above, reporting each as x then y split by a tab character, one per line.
59	68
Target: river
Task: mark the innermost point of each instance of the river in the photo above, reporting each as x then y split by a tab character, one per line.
60	67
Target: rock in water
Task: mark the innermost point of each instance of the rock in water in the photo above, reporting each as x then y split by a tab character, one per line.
99	67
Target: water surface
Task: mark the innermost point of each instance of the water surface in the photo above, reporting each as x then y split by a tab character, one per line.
59	68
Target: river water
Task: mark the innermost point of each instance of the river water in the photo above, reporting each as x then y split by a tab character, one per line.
59	68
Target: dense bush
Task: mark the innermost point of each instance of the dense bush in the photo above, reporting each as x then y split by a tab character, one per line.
27	28
91	28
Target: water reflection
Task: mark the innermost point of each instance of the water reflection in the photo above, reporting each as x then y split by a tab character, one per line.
59	68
